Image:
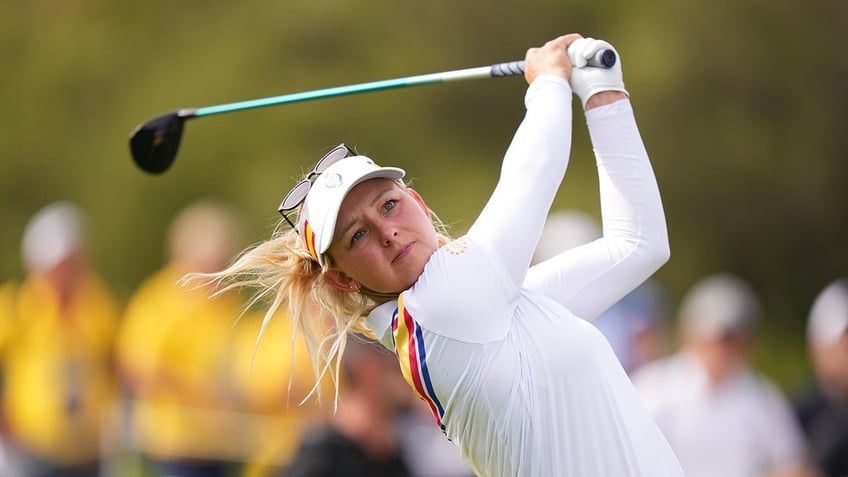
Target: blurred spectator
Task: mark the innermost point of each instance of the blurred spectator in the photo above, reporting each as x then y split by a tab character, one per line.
8	299
8	294
363	435
824	411
634	325
720	417
58	375
193	409
564	230
426	449
272	381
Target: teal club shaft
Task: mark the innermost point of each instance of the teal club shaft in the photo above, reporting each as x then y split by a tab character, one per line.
493	71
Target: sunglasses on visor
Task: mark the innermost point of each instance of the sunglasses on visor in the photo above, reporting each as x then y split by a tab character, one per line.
298	194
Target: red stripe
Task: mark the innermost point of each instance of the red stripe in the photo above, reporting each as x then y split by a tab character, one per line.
413	363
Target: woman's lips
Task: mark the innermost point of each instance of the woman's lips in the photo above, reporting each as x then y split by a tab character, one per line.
404	251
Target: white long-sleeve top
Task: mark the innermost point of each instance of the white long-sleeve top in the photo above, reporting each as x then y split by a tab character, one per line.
496	349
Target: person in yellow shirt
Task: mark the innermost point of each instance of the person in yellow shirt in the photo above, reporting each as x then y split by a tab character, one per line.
58	379
272	381
194	399
8	294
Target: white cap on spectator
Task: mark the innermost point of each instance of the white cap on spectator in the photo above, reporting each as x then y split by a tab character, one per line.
53	234
565	229
828	319
719	304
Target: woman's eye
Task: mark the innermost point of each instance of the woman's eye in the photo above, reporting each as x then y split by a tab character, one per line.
389	205
356	236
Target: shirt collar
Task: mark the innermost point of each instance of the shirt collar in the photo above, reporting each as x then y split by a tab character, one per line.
380	322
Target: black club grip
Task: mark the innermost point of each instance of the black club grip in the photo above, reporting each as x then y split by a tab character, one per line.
510	68
601	59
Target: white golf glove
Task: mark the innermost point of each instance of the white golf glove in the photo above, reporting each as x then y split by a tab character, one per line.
586	80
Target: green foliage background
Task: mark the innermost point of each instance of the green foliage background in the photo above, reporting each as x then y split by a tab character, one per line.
741	105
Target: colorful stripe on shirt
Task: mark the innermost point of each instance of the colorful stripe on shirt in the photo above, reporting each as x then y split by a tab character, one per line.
409	346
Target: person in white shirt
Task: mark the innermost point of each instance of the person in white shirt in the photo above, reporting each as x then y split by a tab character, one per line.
823	407
720	417
501	352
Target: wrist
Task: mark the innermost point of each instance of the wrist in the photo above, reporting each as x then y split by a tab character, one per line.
604	98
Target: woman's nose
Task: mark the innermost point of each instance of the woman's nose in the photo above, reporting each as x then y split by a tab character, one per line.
388	234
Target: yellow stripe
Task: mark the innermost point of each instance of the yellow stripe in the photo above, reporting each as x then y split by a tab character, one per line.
402	347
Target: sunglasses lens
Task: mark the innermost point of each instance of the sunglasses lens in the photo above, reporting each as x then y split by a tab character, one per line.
295	196
337	154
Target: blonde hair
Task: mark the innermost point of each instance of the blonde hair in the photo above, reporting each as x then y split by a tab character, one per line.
284	275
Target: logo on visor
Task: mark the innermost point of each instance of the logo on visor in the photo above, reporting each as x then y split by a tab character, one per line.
332	180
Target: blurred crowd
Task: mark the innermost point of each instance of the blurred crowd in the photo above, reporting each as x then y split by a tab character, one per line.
175	382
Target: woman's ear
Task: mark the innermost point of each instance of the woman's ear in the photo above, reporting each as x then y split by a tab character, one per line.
340	281
418	199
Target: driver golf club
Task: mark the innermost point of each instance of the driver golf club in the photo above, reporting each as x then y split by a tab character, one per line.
155	142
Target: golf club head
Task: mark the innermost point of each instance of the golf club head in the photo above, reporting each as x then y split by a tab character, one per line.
154	143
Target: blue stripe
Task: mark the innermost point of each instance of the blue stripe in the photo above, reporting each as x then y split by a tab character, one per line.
425	374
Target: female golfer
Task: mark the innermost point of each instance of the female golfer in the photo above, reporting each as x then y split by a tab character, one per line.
500	352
